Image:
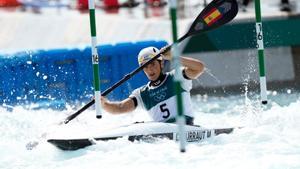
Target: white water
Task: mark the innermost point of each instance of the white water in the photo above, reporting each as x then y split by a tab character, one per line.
269	140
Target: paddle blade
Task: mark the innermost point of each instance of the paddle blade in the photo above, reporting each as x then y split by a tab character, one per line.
216	14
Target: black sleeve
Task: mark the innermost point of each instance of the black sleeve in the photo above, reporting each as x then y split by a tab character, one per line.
185	76
134	101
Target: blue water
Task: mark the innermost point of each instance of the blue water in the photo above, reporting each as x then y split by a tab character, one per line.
269	140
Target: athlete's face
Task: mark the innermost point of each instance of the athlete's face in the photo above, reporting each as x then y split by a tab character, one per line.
153	70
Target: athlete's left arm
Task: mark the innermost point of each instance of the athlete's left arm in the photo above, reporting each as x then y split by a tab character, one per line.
193	68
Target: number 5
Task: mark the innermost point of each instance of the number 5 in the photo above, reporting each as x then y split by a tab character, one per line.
164	110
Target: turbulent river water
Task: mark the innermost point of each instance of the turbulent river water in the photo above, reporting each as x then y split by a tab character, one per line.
269	138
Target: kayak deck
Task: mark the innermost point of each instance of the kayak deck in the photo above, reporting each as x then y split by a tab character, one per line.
193	134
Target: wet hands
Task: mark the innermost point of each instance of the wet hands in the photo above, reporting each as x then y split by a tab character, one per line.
166	53
103	101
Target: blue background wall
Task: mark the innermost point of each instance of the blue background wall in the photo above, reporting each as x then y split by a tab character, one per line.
55	77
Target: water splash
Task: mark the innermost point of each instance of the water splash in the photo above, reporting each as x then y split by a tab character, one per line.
276	133
209	72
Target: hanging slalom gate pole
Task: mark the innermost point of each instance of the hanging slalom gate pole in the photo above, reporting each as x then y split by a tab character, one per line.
260	49
177	81
95	58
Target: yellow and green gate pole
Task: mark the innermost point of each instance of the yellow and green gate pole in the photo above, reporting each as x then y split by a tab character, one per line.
95	58
260	49
176	61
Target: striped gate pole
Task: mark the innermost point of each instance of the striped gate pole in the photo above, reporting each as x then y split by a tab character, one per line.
176	59
95	58
260	48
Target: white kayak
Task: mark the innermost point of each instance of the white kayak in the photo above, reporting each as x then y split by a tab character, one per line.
137	131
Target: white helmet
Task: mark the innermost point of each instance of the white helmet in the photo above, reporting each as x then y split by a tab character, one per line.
148	53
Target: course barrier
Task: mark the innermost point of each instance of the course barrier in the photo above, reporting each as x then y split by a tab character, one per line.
56	77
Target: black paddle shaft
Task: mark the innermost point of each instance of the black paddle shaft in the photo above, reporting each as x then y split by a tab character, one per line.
214	15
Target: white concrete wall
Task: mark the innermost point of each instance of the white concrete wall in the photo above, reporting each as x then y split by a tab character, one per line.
50	29
237	67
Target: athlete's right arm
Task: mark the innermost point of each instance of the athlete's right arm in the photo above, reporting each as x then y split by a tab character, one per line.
124	106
